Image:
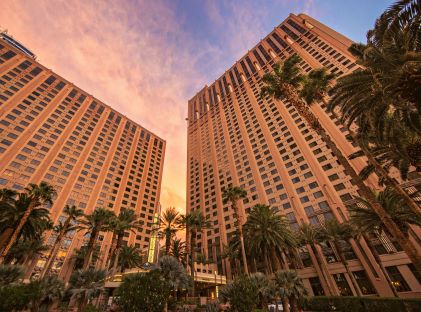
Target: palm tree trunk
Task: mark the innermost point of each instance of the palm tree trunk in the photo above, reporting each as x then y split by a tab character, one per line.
285	304
112	251
348	270
90	249
380	263
167	243
323	268
366	192
192	259
54	250
117	255
4	237
240	233
17	231
294	304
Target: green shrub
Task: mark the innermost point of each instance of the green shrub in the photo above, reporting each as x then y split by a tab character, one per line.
361	304
91	308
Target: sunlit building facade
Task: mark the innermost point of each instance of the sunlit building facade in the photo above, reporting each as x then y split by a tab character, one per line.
235	137
51	130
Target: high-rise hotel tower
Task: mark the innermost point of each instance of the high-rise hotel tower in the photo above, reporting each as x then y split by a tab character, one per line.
51	130
235	137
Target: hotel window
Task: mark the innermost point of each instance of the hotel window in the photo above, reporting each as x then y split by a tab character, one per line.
364	283
316	286
342	284
397	279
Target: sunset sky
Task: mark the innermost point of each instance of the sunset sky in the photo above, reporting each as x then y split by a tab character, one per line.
147	58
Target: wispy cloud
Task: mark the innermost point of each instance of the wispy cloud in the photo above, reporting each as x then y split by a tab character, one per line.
136	56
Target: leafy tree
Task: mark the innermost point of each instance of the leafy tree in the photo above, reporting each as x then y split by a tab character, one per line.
232	195
73	215
143	292
170	224
268	234
241	294
85	285
39	195
290	289
265	289
93	224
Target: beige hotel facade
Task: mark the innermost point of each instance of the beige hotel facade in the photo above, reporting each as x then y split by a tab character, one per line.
51	130
263	145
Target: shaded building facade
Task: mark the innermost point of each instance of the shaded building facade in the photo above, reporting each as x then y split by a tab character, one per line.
51	130
235	137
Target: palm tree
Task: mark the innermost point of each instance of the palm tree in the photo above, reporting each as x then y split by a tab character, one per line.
233	194
308	236
231	252
290	288
334	233
85	285
124	222
194	223
130	257
178	250
364	218
26	250
285	82
265	289
73	214
10	274
94	223
44	292
170	224
79	256
269	235
174	273
39	195
12	213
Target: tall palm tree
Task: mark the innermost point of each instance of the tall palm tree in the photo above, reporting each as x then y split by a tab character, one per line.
364	218
285	82
85	285
39	195
125	221
178	250
308	236
10	216
79	256
268	234
291	289
170	224
93	224
130	257
194	222
231	252
233	194
73	215
334	233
